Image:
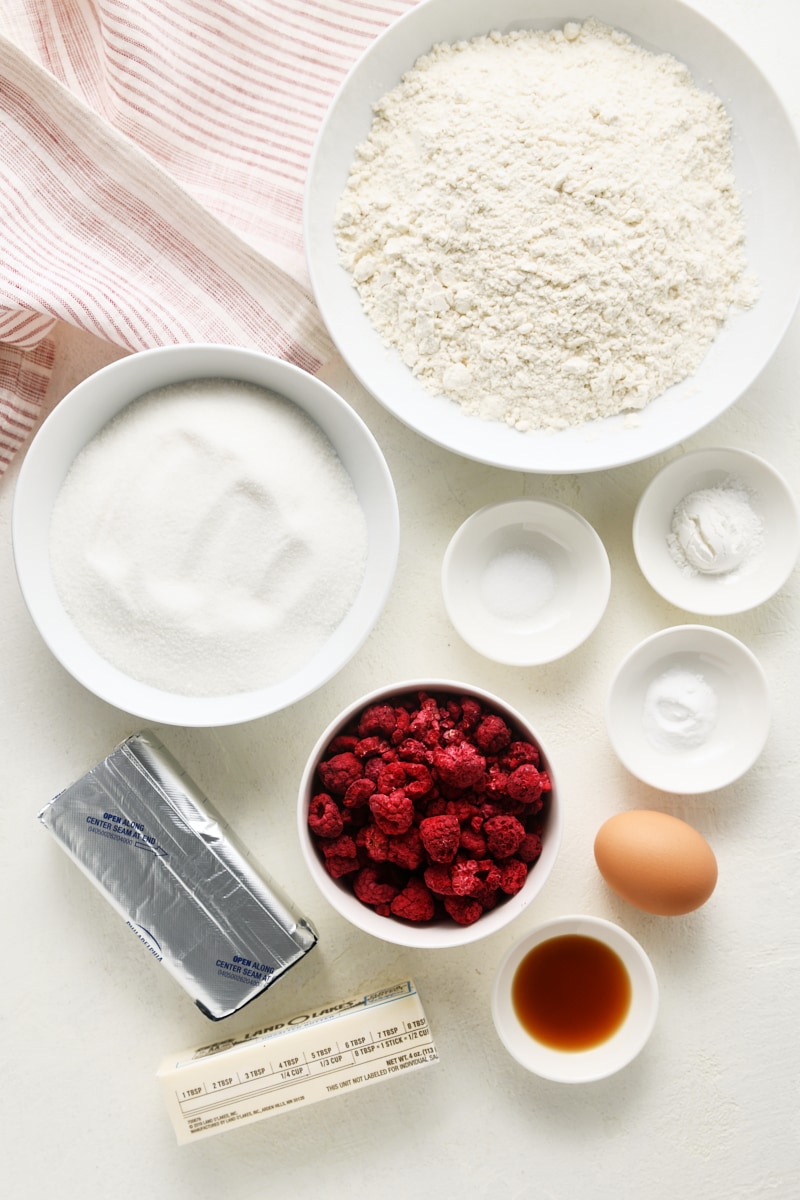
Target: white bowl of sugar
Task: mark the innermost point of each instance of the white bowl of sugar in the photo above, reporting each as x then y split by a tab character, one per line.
688	710
203	535
525	582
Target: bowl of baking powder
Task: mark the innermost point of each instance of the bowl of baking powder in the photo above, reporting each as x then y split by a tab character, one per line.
555	238
203	535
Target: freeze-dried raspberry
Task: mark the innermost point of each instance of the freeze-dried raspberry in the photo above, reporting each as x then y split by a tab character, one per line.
435	806
339	772
414	903
463	909
496	783
463	876
530	848
359	792
470	713
527	783
378	719
340	847
373	768
406	850
463	808
419	780
402	725
519	754
392	776
425	724
437	878
412	750
503	835
459	766
486	881
513	874
440	837
393	813
367	747
341	744
383	910
324	817
337	866
374	842
371	887
492	735
473	842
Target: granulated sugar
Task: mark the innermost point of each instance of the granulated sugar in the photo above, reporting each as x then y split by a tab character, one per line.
545	225
209	540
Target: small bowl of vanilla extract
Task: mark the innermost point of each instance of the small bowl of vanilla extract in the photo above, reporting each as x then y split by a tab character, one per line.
575	1000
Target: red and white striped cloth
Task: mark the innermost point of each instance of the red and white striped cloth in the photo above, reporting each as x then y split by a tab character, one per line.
152	165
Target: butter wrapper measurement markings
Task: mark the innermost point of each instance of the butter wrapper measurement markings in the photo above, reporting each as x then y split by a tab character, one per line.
151	843
309	1057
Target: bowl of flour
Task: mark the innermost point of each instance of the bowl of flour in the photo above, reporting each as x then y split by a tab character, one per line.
203	535
553	240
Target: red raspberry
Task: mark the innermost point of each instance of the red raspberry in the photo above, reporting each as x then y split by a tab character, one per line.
392	777
440	837
371	888
419	780
425	723
437	877
359	792
341	744
464	876
470	714
336	865
374	842
503	835
485	885
339	772
459	766
530	848
513	874
394	813
463	809
406	850
518	754
324	817
492	735
473	843
463	909
412	750
414	903
496	783
378	719
527	783
341	847
435	806
403	723
367	747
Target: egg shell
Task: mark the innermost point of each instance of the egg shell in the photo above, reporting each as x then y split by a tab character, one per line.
655	862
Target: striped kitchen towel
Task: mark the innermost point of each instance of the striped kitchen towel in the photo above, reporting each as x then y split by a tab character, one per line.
152	167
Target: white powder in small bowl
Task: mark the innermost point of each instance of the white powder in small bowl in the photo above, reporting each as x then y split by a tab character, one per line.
208	541
680	710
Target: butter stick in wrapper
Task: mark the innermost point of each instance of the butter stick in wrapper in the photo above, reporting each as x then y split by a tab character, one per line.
149	840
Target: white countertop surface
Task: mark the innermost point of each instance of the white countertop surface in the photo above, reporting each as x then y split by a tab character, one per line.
709	1109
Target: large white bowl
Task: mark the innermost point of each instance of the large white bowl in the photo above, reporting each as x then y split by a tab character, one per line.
81	415
767	168
437	934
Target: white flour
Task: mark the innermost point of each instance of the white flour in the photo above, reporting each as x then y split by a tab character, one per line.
209	540
545	224
715	530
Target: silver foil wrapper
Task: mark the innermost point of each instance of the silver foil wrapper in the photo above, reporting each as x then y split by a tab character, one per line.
150	841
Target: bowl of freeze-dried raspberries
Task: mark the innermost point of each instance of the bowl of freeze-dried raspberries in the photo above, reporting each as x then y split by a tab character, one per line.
429	814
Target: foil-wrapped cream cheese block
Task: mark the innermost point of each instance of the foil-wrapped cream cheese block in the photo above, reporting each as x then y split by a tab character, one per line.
151	842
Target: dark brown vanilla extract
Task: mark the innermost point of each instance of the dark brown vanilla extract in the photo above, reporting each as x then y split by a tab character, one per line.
571	992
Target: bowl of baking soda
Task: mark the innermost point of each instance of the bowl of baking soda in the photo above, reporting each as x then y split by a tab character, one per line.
688	710
203	535
525	581
717	531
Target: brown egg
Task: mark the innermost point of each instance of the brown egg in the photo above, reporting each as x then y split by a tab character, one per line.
655	862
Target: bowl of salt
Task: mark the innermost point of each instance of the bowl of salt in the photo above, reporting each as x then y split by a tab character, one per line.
525	582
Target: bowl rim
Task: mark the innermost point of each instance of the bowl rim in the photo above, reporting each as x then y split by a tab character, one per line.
676	780
598	1062
712	54
432	936
521	511
88	407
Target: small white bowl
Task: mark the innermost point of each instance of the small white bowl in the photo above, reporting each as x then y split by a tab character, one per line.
707	749
763	571
436	934
609	1056
84	412
525	581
